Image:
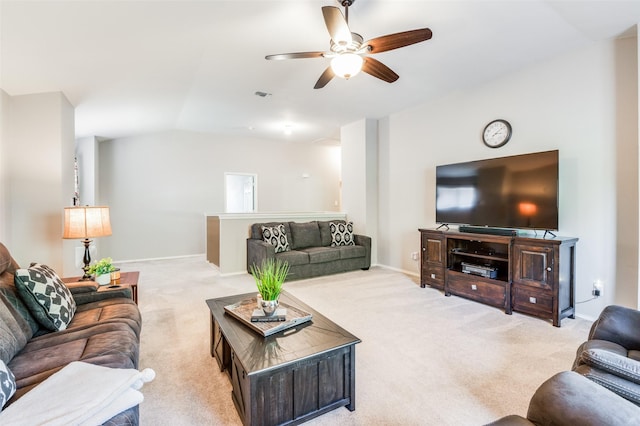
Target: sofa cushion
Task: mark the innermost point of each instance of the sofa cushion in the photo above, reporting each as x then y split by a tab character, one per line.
108	310
325	231
304	235
11	293
111	344
341	234
351	252
322	254
48	299
277	237
293	257
14	331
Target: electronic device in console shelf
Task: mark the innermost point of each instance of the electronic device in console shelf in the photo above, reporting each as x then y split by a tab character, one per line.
483	271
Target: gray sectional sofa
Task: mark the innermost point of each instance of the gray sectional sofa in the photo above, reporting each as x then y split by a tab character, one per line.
310	252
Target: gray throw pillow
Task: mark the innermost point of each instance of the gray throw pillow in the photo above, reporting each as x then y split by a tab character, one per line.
7	384
305	235
48	299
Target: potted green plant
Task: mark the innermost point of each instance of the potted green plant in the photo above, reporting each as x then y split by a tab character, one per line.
102	270
269	277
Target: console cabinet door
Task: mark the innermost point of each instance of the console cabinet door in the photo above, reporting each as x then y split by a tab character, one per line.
534	266
432	259
535	280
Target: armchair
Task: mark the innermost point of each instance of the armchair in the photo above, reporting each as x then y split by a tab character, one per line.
611	355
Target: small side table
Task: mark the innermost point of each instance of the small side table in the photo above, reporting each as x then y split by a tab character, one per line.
131	279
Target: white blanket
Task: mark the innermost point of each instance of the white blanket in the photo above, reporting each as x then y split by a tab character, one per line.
79	394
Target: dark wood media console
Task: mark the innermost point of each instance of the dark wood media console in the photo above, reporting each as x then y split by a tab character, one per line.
528	274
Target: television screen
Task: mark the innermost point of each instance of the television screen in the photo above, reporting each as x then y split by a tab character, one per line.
519	191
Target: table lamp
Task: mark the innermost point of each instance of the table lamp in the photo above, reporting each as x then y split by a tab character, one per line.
86	222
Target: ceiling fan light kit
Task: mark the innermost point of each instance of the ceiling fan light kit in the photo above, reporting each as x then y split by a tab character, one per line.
348	52
346	65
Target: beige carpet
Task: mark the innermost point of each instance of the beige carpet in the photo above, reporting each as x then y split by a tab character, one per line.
425	359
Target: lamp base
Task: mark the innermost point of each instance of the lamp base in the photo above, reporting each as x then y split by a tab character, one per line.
86	260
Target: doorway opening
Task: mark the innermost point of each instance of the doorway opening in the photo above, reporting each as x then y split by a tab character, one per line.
241	192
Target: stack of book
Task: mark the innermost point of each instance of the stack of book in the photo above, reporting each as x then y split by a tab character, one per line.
285	317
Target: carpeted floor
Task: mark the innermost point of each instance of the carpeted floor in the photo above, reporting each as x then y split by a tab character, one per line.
425	359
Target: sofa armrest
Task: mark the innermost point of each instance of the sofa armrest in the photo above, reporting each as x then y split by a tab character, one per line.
365	241
258	251
104	293
571	399
77	287
619	325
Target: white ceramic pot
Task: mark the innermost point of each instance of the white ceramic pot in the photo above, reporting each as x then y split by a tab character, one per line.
103	279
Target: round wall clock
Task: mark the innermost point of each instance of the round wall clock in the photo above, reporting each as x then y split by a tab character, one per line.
497	133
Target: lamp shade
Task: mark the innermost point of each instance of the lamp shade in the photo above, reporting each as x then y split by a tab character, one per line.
86	222
346	65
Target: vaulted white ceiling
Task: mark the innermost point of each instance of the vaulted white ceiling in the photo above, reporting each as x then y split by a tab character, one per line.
132	67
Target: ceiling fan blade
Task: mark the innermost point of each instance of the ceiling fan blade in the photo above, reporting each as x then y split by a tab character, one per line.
336	25
298	55
394	41
379	70
326	77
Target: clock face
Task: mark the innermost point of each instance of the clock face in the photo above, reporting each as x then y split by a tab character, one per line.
497	133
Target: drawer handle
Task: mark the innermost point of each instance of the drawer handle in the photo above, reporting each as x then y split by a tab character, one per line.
533	300
474	287
433	276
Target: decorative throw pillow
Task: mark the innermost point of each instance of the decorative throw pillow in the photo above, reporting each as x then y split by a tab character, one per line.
277	237
7	384
341	234
49	300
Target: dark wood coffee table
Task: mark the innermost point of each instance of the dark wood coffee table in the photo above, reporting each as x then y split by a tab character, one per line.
288	377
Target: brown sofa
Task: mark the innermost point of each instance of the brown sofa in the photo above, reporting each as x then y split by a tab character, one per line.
604	386
611	355
569	399
102	331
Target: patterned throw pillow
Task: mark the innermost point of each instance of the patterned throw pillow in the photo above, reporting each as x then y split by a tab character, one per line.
341	234
49	300
277	237
7	384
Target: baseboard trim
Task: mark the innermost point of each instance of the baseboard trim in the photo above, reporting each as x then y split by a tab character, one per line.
402	271
159	258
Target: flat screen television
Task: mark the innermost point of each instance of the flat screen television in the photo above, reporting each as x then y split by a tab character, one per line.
519	192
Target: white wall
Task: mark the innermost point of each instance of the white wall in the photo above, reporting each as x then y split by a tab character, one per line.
4	120
159	187
571	104
38	148
88	166
360	178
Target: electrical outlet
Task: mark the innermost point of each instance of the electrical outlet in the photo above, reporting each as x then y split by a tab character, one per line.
414	255
598	287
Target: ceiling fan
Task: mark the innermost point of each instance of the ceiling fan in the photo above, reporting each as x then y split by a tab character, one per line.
349	53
